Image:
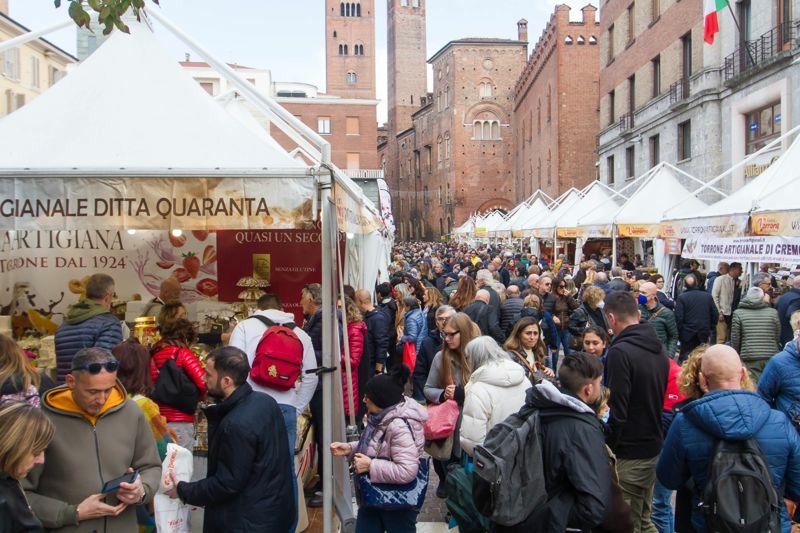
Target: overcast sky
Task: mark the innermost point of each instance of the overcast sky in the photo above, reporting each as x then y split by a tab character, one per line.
289	37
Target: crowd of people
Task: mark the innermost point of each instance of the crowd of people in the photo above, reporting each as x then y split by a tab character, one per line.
636	385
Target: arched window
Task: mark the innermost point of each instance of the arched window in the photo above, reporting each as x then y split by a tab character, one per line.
341	9
549	104
487	129
439	101
447	97
347	10
549	167
485	89
539	116
358	10
439	153
568	40
414	3
539	172
447	145
495	129
351	77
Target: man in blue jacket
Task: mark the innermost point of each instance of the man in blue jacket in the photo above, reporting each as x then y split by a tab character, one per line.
788	304
727	412
249	482
89	323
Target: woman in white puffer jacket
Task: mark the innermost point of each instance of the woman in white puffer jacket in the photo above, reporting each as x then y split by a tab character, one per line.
496	389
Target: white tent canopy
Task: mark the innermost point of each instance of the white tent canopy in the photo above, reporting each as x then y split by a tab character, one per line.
595	196
537	210
547	222
151	116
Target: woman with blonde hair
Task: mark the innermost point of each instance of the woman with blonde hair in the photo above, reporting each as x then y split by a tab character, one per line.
450	372
19	381
25	433
432	300
465	293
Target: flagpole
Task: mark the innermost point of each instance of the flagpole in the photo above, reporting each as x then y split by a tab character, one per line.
739	29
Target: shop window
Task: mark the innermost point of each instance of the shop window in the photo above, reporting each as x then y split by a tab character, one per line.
763	126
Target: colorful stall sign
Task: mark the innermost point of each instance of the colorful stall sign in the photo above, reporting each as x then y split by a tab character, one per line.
784	223
725	226
638	230
783	250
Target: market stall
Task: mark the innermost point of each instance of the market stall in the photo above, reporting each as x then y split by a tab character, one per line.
544	228
593	197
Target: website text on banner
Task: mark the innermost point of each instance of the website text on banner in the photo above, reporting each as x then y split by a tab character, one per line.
783	250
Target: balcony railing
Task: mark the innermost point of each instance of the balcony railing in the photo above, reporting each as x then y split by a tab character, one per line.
626	122
679	91
765	49
364	173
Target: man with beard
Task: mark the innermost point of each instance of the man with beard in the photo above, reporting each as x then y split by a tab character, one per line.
248	487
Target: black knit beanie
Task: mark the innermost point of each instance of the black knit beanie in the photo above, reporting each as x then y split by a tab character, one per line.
385	390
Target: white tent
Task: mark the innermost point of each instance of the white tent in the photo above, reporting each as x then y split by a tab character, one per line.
536	211
595	196
544	226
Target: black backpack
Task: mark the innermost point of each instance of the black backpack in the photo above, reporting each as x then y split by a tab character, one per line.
174	388
739	496
508	475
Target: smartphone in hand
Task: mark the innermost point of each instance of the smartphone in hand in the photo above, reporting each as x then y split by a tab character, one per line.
112	485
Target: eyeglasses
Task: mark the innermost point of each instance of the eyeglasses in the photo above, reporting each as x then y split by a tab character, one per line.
95	368
450	334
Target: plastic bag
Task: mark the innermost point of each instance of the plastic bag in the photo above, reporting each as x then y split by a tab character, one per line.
172	516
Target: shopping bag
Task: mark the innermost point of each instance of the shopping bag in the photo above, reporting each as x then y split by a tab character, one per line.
410	355
442	420
172	516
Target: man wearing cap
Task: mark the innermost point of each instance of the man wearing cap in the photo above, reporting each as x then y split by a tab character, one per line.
100	435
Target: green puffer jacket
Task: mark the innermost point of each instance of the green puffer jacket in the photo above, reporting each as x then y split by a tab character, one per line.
755	330
663	321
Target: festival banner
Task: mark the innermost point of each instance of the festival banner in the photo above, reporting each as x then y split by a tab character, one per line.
352	216
725	226
602	231
285	259
42	273
672	246
480	232
155	203
782	223
542	233
518	234
567	233
638	230
783	250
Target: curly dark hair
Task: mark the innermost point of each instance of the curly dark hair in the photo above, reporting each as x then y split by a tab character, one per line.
178	331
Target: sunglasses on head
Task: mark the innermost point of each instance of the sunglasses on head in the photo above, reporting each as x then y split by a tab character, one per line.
96	368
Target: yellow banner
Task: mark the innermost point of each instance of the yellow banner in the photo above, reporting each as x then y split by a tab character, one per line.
568	233
480	232
780	224
542	233
518	234
638	230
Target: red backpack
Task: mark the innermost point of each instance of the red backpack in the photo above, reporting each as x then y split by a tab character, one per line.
279	356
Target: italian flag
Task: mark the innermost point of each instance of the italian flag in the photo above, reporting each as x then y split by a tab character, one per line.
712	7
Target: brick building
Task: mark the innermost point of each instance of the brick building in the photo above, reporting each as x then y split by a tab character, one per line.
555	107
454	157
666	95
346	114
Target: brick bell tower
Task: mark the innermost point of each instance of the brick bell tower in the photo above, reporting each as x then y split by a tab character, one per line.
407	61
350	48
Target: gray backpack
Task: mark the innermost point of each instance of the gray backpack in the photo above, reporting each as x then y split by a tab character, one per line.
508	477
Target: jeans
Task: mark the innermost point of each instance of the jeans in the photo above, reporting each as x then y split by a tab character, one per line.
636	479
564	336
662	516
371	520
290	419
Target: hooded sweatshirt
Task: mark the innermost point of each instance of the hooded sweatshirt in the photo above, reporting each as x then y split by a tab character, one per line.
731	415
246	336
576	466
636	371
86	452
755	329
494	392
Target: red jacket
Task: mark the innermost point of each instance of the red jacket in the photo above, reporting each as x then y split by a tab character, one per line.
356	331
673	395
187	360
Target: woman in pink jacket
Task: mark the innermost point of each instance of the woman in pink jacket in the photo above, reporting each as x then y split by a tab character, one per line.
389	449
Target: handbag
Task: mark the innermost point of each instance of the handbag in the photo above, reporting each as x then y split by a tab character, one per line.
441	449
174	388
410	355
442	420
390	496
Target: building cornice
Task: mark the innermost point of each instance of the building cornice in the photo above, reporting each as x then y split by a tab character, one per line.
326	101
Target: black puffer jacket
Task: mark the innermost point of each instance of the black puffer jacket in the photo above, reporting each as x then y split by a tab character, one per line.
578	483
15	515
636	371
248	487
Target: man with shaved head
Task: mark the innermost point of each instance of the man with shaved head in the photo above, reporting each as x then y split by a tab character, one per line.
660	317
726	412
481	313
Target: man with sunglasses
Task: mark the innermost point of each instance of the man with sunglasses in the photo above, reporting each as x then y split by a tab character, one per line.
100	435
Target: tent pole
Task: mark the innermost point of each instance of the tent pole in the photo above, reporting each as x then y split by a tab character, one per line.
613	245
328	340
32	35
